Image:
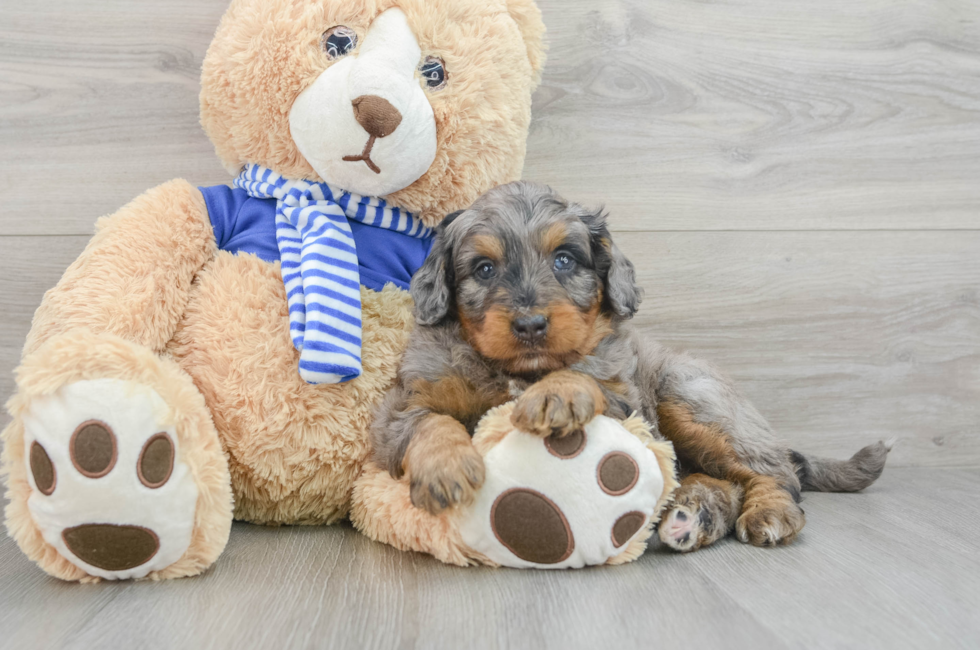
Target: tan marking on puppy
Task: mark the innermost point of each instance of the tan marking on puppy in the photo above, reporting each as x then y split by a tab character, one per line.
615	386
455	396
573	334
488	246
443	467
569	328
492	337
558	404
553	236
769	516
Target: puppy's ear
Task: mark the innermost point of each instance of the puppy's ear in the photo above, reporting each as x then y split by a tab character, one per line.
432	286
621	288
622	294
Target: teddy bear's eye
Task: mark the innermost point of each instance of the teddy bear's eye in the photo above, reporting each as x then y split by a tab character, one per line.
338	41
433	72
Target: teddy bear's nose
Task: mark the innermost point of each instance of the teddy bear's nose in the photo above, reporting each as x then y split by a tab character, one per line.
376	114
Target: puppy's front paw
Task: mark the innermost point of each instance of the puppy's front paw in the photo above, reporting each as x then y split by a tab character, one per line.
559	404
443	467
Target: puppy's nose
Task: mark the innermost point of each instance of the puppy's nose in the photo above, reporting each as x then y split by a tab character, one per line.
530	329
376	114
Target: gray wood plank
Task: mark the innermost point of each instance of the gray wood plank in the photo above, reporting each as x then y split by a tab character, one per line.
840	339
98	102
894	567
678	115
764	115
869	571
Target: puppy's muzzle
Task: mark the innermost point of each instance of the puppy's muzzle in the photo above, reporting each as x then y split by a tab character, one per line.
530	329
379	118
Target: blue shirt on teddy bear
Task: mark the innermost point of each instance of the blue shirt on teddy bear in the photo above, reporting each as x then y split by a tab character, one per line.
243	224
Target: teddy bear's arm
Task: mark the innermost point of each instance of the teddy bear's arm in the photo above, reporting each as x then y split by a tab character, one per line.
133	278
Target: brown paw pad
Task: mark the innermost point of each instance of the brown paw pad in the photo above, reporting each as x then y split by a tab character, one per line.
45	477
110	547
531	526
627	526
617	473
93	449
156	461
568	446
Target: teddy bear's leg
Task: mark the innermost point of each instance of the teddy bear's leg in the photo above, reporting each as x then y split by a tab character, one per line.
134	278
704	510
114	468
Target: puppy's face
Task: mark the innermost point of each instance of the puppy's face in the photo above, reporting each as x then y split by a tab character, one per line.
534	281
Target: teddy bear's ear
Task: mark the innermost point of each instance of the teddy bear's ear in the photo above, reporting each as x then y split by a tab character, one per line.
528	18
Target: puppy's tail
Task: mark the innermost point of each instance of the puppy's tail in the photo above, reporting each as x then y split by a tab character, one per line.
829	475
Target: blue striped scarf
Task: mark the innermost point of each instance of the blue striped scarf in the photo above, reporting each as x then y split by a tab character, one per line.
319	266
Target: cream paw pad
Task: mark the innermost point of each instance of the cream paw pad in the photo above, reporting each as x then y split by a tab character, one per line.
589	498
109	489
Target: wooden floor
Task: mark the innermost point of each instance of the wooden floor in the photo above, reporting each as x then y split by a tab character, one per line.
896	567
798	184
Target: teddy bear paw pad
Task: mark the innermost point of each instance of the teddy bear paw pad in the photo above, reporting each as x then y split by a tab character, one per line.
109	490
564	502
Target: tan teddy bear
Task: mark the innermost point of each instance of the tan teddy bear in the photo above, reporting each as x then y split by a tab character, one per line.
226	345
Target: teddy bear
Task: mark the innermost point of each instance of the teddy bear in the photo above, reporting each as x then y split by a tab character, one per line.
215	353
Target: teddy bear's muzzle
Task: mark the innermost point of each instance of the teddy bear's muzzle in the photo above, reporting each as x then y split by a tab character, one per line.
379	118
369	109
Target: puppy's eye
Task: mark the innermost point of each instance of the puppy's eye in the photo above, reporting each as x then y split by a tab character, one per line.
485	270
338	41
433	71
564	262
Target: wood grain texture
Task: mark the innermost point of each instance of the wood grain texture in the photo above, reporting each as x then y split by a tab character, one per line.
839	338
894	567
678	115
755	114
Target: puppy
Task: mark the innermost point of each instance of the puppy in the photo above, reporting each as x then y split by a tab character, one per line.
525	295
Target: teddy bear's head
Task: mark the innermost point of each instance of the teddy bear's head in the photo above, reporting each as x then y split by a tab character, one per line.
424	102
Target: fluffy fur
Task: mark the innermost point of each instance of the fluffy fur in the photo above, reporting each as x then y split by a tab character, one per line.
493	52
294	449
523	255
209	330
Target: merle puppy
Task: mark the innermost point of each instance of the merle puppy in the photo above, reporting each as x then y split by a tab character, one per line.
525	295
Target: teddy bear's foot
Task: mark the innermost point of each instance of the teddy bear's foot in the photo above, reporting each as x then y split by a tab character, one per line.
578	500
110	491
117	481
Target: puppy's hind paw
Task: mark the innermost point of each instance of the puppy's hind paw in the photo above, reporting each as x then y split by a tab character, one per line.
767	523
680	529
